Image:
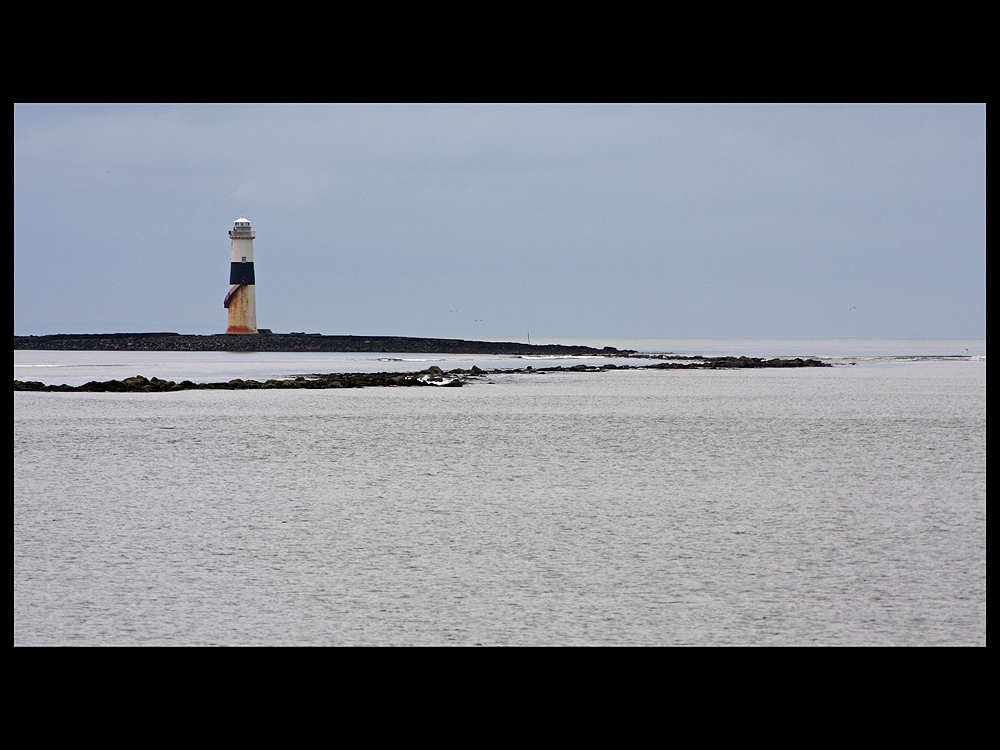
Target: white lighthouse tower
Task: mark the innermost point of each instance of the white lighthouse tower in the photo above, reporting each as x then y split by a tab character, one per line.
242	297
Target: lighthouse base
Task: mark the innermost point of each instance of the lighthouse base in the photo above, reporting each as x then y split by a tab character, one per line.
242	304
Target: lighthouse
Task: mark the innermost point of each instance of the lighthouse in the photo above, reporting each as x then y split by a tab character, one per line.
241	301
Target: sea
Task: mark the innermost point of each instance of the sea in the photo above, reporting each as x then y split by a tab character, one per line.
824	507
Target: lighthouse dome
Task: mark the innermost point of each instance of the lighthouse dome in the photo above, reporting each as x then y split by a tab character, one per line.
242	222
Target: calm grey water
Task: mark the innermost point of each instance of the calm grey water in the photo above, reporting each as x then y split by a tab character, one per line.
830	506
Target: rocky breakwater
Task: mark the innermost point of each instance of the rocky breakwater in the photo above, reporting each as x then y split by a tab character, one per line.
433	376
295	342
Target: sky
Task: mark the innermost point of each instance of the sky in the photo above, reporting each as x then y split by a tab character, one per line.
506	221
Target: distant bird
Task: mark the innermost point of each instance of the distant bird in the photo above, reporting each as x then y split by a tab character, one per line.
853	308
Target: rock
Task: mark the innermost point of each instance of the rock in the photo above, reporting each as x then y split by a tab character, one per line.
432	376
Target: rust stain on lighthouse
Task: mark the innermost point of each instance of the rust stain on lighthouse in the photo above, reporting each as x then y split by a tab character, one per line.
241	299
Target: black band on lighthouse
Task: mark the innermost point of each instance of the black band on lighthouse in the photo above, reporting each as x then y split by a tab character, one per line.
241	273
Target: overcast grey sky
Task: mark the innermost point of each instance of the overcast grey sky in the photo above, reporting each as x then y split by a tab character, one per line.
487	221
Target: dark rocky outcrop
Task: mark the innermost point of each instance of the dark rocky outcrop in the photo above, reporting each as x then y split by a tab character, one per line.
729	363
433	376
141	384
303	342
